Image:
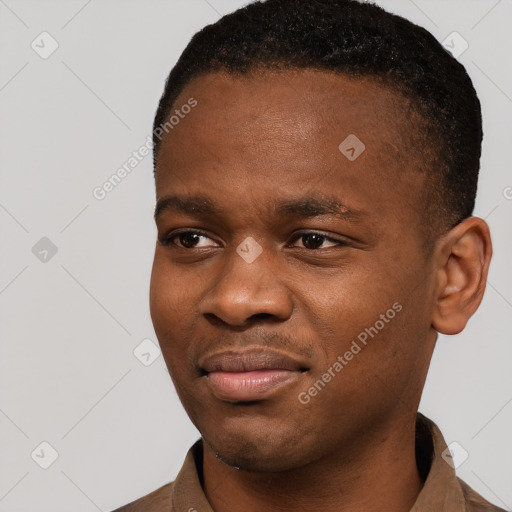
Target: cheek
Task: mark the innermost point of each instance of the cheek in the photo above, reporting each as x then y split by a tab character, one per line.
166	309
383	349
369	319
167	295
349	305
160	300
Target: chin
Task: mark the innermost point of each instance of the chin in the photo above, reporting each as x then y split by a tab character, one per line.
251	458
258	449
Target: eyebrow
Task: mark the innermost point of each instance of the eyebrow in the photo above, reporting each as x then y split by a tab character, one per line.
189	205
301	207
307	206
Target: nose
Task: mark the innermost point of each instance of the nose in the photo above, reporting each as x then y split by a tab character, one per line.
245	292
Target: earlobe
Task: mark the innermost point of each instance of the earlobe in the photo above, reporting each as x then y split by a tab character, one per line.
463	257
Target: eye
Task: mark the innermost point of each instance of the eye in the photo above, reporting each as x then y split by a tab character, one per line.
312	240
187	239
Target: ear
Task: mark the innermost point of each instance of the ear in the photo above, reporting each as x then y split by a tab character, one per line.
463	261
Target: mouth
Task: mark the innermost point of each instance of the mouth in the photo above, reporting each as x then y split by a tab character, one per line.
250	375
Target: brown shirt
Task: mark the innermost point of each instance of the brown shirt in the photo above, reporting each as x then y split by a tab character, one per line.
441	492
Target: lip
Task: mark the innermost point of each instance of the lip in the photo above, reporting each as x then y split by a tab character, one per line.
250	375
249	360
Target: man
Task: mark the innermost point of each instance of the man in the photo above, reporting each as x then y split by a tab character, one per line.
316	167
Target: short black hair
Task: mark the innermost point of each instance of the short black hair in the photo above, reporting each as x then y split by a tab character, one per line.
360	40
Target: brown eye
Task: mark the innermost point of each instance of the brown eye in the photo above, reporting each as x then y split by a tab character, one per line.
187	239
313	241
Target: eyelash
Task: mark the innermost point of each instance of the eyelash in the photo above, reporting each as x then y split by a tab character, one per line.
166	241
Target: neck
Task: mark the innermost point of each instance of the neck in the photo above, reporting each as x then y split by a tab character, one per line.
381	474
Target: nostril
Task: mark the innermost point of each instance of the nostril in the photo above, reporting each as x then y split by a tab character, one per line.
262	315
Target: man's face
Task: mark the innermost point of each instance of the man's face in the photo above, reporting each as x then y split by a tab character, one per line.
280	293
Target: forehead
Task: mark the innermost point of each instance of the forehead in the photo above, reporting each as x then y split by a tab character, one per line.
296	102
296	130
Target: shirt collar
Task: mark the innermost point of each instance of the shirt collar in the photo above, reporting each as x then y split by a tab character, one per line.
441	491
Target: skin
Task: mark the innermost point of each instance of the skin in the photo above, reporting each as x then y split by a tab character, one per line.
273	136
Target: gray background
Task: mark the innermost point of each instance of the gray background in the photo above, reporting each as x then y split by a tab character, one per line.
70	321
